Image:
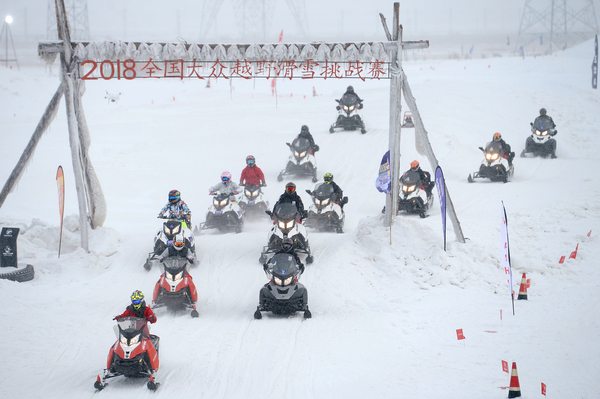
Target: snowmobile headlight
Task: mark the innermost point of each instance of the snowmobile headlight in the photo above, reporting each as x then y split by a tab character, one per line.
123	340
223	202
351	108
286	225
134	340
409	189
172	232
278	281
324	202
216	202
288	281
541	133
491	157
173	278
302	154
248	193
545	132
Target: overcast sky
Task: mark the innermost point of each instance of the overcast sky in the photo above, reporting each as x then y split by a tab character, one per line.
327	20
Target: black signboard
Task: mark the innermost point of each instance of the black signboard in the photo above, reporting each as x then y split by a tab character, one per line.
8	247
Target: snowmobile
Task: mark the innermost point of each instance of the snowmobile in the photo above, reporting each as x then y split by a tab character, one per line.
165	237
224	214
413	197
494	165
302	162
541	142
325	214
175	288
408	121
286	223
135	354
348	116
253	200
283	294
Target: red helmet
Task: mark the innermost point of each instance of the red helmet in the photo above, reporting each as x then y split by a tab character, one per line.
497	136
414	165
250	161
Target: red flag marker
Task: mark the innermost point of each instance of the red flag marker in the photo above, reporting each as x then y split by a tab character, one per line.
459	334
543	389
562	259
588	234
505	366
528	282
574	253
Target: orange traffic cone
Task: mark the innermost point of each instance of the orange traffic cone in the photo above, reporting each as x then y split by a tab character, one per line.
514	391
523	288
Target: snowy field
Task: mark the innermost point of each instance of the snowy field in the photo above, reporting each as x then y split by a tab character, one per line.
384	316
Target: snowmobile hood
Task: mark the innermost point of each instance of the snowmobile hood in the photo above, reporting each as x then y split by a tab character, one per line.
349	99
283	266
286	211
542	124
300	144
323	191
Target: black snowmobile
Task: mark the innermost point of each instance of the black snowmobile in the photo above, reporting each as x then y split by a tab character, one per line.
413	197
302	162
494	166
349	117
325	214
165	237
541	142
283	294
286	224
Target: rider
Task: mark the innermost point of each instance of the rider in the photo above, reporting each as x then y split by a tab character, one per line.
339	193
305	134
425	176
287	247
544	116
176	209
226	186
139	309
505	147
291	196
350	91
252	174
179	248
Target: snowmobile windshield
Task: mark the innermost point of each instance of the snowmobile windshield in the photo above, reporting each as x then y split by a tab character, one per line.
301	145
323	191
542	124
494	147
349	99
131	323
282	265
410	178
175	264
286	211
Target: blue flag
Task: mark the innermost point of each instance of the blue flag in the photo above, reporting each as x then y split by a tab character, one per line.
440	184
384	180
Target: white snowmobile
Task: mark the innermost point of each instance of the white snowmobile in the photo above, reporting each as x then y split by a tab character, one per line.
224	214
253	200
413	197
325	214
302	162
283	294
541	142
494	166
349	117
164	238
286	223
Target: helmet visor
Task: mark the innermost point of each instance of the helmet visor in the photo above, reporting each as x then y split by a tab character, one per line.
290	189
136	301
225	178
178	244
173	198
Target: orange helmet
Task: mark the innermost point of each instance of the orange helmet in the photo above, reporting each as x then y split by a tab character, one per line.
497	136
414	164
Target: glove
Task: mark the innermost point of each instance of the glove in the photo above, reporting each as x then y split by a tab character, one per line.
304	214
337	107
241	184
360	106
263	184
117	318
265	266
212	193
151	319
160	258
316	148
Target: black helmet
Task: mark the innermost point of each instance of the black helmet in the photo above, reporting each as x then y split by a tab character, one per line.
350	89
174	196
287	244
543	112
304	129
290	188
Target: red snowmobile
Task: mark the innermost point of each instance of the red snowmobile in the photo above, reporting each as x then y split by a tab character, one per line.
135	354
175	288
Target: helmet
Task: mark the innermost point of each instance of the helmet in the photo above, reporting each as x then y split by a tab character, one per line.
290	188
287	244
350	89
179	242
497	136
304	129
174	196
136	299
225	177
414	165
543	111
250	161
328	178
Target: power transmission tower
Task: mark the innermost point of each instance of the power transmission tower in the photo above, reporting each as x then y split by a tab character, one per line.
556	25
77	16
253	17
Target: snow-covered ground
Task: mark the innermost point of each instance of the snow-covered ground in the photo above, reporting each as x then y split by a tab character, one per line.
384	316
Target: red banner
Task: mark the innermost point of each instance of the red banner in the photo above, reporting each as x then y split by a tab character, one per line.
459	334
60	183
505	366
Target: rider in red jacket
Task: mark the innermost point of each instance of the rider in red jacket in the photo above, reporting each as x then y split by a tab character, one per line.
139	309
252	173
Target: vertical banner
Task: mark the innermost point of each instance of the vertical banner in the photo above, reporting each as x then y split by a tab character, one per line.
505	254
595	66
384	179
273	88
60	183
440	184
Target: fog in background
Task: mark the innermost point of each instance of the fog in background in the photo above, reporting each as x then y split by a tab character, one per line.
453	25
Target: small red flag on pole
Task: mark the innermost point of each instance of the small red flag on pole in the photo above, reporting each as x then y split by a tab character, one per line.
459	334
574	253
543	389
60	183
589	234
562	259
505	366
